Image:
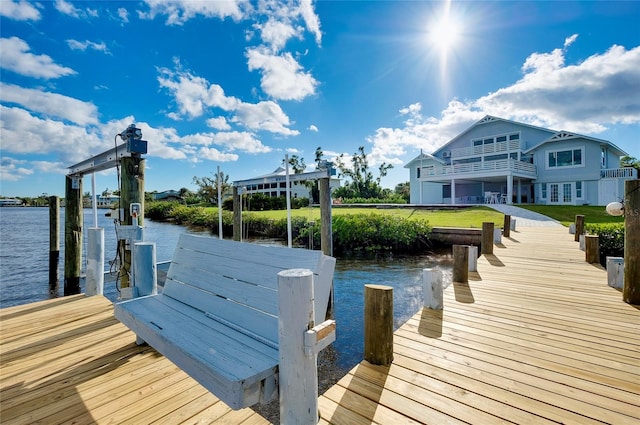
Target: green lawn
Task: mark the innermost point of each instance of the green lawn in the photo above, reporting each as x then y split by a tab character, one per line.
566	214
467	217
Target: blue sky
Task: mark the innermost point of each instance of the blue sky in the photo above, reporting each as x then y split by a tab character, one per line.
239	84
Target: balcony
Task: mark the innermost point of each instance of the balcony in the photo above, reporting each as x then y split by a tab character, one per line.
499	167
491	148
619	173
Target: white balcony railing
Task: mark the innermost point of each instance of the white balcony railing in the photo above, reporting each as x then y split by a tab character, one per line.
491	148
500	167
619	173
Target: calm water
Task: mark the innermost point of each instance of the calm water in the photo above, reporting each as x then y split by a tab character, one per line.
24	262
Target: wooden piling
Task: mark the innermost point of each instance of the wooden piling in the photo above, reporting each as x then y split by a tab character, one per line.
631	289
378	324
237	219
326	235
592	249
432	289
131	191
54	244
486	246
461	263
72	235
506	227
579	227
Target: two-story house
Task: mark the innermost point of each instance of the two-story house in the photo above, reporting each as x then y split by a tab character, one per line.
502	161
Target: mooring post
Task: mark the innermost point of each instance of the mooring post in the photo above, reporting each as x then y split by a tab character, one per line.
486	246
506	226
145	269
298	372
326	236
131	191
72	235
615	272
237	218
497	236
432	289
460	263
54	244
631	289
378	324
473	258
592	249
95	262
579	227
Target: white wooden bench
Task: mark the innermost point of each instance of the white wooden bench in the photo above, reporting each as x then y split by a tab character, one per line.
217	317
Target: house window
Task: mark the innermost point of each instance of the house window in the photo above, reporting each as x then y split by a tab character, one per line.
543	195
419	169
501	139
477	143
515	136
565	158
579	190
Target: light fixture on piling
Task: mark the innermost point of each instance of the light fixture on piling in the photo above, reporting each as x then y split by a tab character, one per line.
615	209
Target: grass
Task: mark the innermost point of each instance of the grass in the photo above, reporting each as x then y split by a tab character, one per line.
566	214
467	217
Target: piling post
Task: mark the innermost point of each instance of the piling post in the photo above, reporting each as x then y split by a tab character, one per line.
378	324
237	218
506	227
631	289
486	246
473	258
72	235
145	271
95	262
460	263
54	244
615	272
326	235
432	289
131	191
579	227
298	372
592	249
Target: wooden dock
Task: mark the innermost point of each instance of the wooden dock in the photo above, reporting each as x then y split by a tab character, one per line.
536	336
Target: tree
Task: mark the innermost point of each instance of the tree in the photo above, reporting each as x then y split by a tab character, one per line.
296	163
208	186
404	190
630	161
362	184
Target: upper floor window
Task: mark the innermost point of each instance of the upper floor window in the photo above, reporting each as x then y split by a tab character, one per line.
565	158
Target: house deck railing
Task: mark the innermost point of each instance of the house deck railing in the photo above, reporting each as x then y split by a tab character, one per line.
491	148
500	166
619	173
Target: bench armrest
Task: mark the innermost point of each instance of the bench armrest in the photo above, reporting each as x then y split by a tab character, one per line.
318	337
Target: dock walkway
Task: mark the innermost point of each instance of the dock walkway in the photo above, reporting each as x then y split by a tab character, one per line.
536	336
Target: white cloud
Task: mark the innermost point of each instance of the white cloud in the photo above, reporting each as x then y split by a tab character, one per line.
123	14
194	95
180	11
276	33
313	128
232	141
569	40
11	169
585	98
218	123
84	45
67	8
310	19
213	154
282	76
20	10
51	104
16	58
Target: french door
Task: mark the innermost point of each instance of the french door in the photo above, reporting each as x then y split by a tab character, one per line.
561	193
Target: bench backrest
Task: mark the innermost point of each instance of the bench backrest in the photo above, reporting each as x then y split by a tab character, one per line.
236	283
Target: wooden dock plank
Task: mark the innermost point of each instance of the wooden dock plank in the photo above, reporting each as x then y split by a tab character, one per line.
69	360
535	336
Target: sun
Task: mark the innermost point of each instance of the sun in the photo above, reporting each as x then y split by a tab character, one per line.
444	34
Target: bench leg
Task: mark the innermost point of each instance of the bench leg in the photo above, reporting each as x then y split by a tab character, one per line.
140	341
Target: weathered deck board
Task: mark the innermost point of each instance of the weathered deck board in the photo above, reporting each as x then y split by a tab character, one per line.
69	360
536	336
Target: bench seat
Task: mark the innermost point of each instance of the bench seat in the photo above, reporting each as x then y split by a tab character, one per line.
216	318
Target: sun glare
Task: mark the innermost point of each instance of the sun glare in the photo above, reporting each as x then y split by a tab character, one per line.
444	33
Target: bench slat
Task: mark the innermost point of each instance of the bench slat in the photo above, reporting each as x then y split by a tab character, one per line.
226	362
255	321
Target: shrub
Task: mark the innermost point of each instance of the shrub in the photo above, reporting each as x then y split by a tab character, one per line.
611	238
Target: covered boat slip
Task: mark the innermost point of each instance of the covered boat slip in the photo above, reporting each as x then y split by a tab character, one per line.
536	336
